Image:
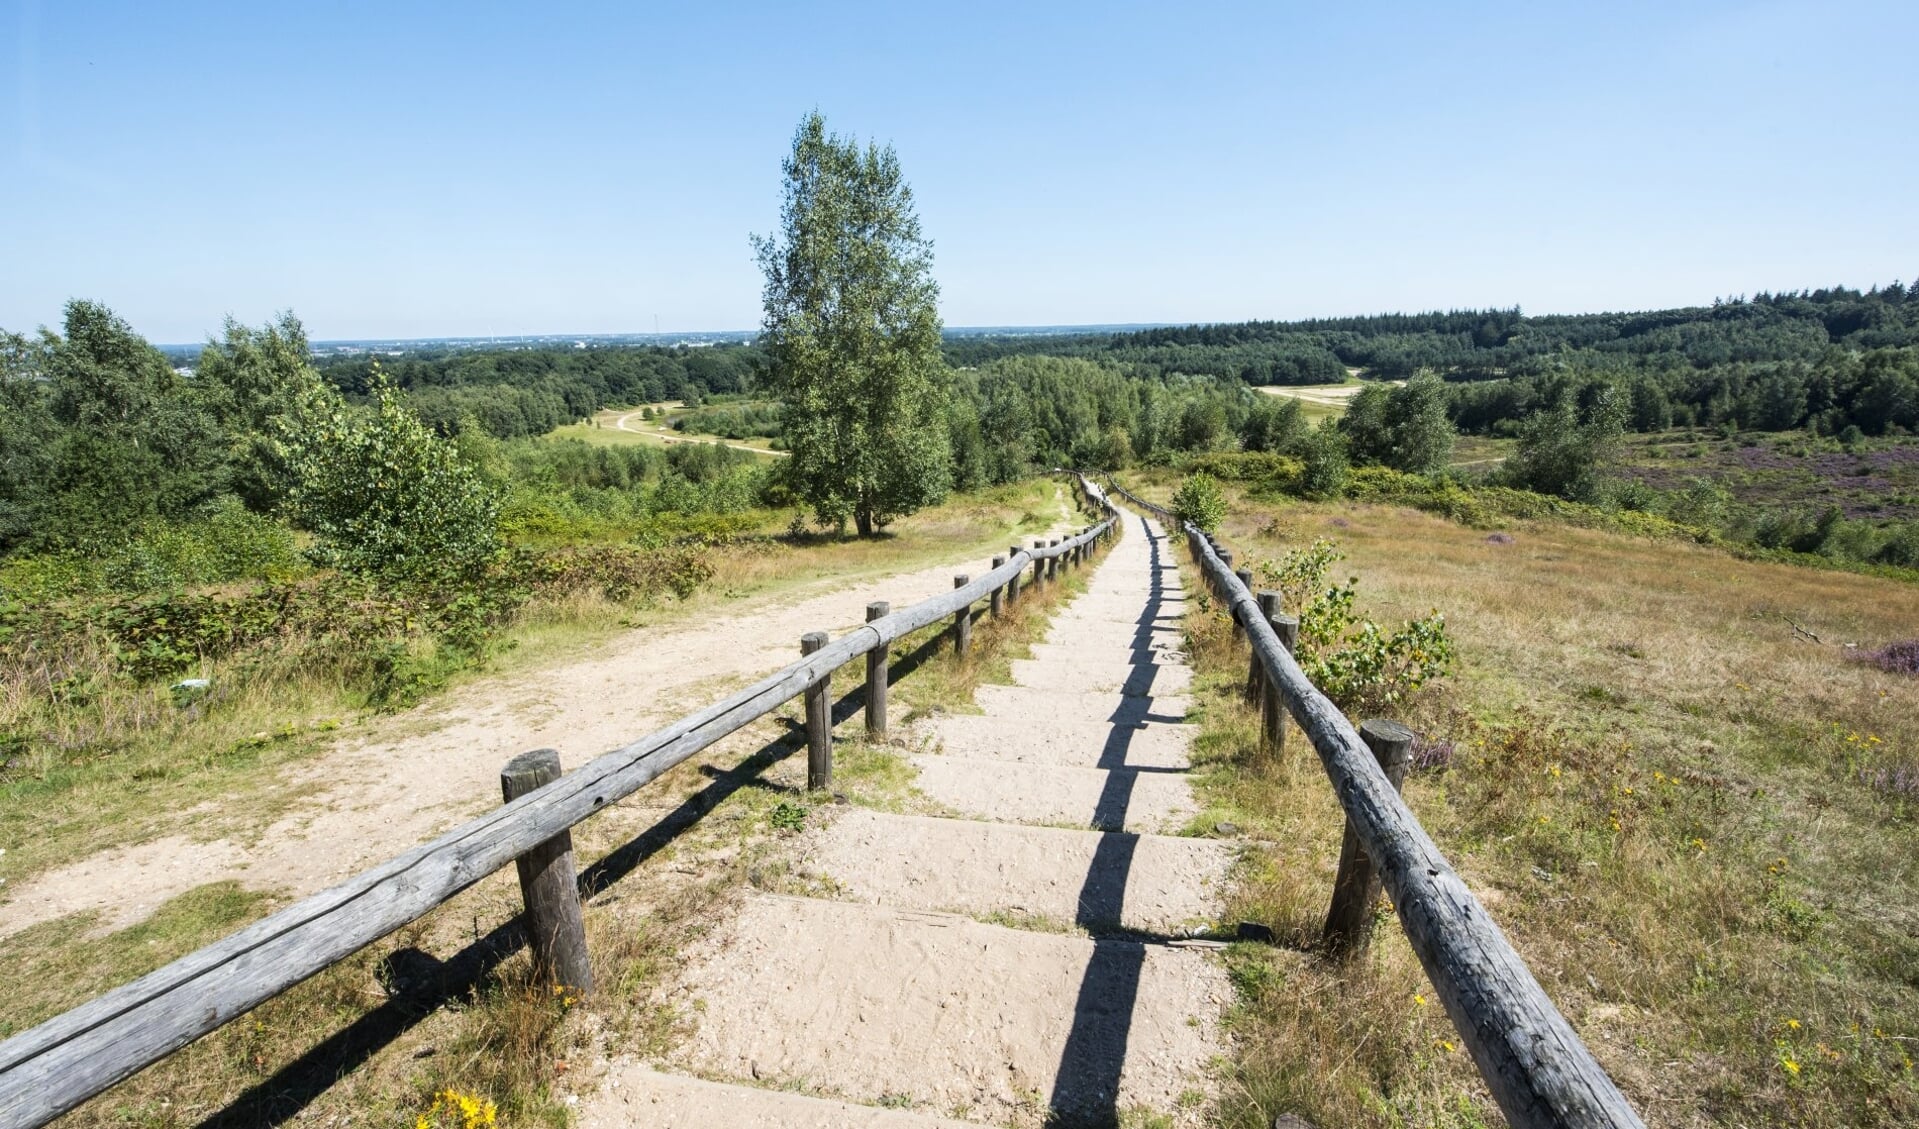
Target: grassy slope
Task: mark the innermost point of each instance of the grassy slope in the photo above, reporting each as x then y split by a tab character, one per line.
1657	788
443	1004
140	769
604	430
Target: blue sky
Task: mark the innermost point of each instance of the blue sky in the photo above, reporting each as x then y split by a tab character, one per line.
392	169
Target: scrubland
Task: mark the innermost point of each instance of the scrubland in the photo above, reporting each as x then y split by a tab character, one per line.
1670	775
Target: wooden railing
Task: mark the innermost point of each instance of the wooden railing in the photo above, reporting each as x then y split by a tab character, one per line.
52	1068
1539	1071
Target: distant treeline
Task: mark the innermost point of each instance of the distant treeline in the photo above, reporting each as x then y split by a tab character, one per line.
517	392
1466	345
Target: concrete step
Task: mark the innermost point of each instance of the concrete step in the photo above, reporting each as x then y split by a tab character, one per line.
1035	737
1103	675
1127	799
1097	880
980	1021
1084	705
637	1097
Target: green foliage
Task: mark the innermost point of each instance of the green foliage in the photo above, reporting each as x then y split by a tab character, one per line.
108	437
1199	501
1404	427
852	330
382	493
1352	660
1324	469
1563	450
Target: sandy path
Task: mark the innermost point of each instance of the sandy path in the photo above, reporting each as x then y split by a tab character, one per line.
369	799
666	436
1078	999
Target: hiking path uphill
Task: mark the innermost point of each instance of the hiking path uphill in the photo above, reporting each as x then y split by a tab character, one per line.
1023	955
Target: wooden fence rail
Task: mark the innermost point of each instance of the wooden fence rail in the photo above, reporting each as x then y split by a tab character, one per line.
1540	1073
50	1069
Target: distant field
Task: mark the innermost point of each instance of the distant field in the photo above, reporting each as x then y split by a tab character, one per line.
1320	401
616	427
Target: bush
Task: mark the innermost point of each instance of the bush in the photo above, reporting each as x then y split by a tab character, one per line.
1354	661
1199	501
383	493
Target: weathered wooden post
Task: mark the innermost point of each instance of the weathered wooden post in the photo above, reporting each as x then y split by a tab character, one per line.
1256	670
1349	923
1039	565
1272	711
819	720
878	672
1012	586
1245	576
549	885
962	621
1220	587
1052	562
997	602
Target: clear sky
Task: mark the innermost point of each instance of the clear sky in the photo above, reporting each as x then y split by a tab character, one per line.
395	169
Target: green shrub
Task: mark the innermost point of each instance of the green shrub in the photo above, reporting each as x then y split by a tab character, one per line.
1354	661
1199	501
383	494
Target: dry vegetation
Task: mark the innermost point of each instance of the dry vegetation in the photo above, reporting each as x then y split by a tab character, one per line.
447	1003
1693	820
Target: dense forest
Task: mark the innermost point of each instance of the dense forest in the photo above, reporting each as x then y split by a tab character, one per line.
1743	360
518	392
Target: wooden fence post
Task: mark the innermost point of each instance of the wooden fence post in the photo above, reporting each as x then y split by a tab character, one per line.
1272	711
1220	587
819	720
997	602
1012	585
878	672
1052	562
1245	577
962	621
1349	922
1039	566
1256	670
554	927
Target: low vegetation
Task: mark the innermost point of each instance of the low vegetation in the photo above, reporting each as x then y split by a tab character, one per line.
1681	782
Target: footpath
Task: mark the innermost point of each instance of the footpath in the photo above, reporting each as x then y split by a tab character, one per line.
1022	957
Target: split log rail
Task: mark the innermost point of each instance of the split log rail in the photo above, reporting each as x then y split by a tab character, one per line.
48	1070
1540	1073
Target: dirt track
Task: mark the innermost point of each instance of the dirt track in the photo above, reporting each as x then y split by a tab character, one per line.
418	775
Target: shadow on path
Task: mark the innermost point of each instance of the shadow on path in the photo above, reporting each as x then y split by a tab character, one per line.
1086	1091
418	983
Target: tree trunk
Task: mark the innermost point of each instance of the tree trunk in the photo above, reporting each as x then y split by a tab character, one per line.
863	519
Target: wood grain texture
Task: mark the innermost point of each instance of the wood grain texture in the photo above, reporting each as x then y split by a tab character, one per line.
549	885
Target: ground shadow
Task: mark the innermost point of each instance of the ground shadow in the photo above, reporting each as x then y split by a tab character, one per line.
418	984
1086	1090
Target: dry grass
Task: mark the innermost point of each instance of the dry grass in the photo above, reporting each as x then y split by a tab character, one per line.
448	1002
121	764
1659	788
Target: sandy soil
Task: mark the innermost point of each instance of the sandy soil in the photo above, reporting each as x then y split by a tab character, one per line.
425	772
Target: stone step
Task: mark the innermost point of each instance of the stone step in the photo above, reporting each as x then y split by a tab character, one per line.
1036	738
1103	676
1127	799
1097	880
980	1021
1104	647
637	1097
1083	705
